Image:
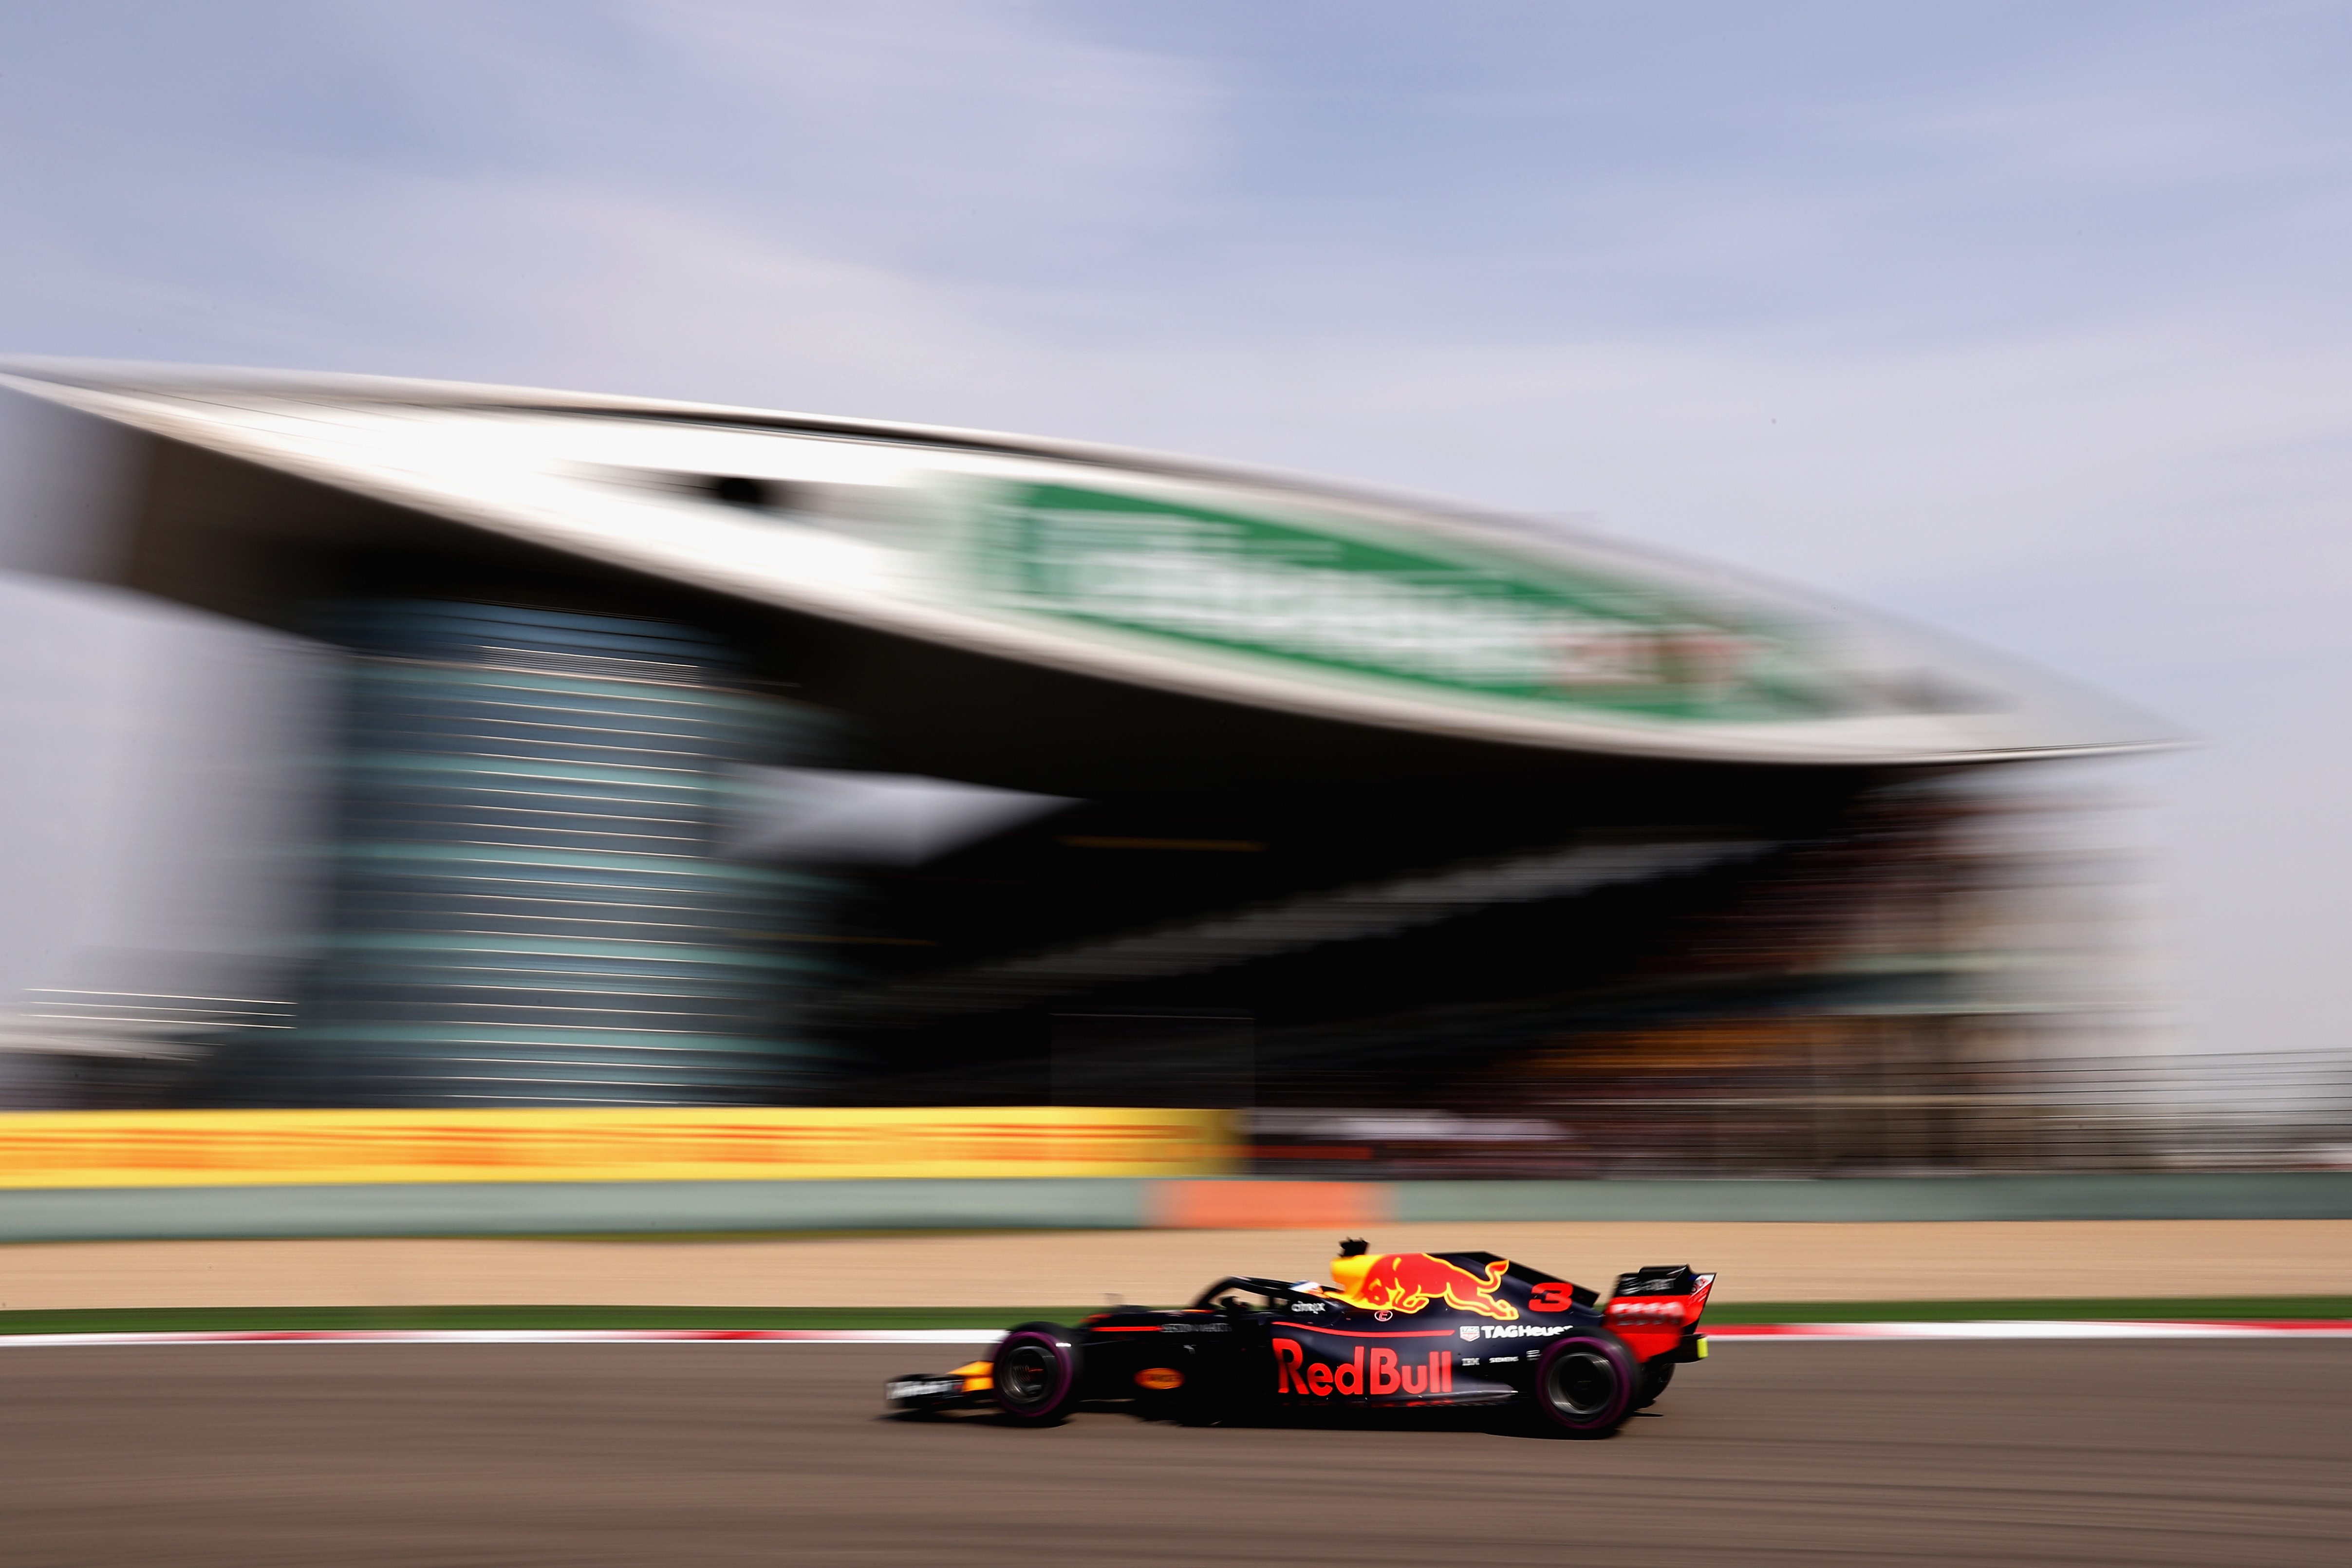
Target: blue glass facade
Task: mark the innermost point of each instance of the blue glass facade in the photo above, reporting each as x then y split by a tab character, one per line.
532	902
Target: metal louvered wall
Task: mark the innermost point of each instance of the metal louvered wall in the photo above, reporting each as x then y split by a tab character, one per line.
532	905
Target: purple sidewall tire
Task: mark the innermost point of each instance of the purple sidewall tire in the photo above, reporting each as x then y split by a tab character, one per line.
1036	1374
1586	1384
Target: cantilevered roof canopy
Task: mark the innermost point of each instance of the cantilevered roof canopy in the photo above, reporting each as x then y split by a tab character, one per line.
1214	583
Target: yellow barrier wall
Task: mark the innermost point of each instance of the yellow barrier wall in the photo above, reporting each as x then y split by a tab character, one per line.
265	1148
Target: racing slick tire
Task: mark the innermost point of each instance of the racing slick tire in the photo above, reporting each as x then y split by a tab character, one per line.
1037	1375
1586	1384
1655	1374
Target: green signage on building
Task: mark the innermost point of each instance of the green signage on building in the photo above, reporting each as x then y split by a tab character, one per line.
1433	614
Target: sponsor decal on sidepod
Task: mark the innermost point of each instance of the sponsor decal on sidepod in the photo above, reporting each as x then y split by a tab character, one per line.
1511	1330
1375	1372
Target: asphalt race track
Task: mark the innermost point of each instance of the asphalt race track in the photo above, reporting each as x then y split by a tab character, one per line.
2145	1453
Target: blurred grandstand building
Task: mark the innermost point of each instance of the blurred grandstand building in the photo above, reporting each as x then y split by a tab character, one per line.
697	754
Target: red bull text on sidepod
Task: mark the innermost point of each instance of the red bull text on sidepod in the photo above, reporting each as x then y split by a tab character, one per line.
1375	1372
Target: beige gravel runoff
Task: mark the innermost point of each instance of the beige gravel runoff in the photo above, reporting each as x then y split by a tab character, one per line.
1757	1262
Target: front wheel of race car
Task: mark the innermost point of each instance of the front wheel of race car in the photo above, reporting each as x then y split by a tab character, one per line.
1586	1384
1036	1374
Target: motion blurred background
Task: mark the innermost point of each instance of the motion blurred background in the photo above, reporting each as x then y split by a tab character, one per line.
2025	324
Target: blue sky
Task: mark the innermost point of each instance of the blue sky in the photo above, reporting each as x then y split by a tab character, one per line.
2026	321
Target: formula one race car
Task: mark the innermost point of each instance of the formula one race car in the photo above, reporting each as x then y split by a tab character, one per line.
1403	1329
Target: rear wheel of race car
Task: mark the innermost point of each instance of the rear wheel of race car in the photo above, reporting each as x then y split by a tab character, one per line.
1036	1374
1657	1373
1586	1384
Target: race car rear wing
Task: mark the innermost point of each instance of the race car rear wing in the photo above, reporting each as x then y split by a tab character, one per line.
1656	1309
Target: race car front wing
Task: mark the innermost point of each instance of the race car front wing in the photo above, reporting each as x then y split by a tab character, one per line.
965	1387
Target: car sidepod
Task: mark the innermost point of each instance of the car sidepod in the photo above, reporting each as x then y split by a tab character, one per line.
1426	1329
1193	1364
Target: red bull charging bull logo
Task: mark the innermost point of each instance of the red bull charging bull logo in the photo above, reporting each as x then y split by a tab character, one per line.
1407	1282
